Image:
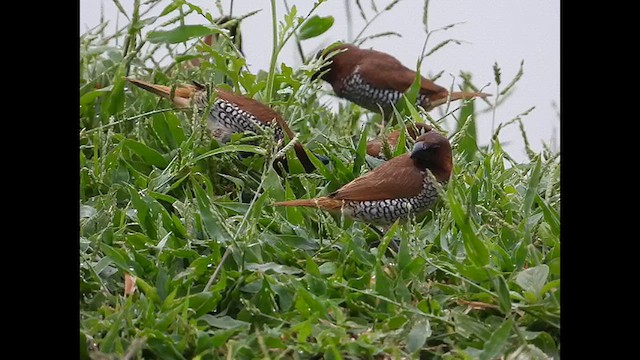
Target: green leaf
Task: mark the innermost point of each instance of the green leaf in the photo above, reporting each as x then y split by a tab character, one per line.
213	223
203	303
149	155
550	215
143	214
315	26
404	254
467	143
418	335
527	352
467	326
415	115
401	143
163	346
476	250
108	343
503	293
89	97
383	285
118	256
533	279
171	7
322	169
361	152
224	322
311	268
84	351
148	290
386	239
396	322
232	148
114	103
181	34
497	341
119	6
532	188
411	95
303	330
328	268
294	215
277	268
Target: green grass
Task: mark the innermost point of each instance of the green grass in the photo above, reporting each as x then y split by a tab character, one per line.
220	273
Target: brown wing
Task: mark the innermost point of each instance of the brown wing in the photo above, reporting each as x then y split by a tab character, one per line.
396	178
386	72
261	111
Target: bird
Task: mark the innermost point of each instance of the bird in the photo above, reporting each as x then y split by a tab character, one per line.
376	80
230	113
375	146
404	185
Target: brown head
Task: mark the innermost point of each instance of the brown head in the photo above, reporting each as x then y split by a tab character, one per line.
433	151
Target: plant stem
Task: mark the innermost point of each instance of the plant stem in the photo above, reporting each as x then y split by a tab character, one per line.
274	53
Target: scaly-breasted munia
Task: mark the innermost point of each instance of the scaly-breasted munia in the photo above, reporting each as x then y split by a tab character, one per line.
374	147
230	113
395	189
374	80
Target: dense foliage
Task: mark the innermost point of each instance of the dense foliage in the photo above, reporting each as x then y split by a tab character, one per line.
220	273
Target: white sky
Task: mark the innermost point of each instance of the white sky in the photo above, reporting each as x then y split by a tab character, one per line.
503	31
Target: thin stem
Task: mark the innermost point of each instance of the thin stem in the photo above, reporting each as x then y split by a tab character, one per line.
298	45
274	52
374	18
123	120
277	46
218	268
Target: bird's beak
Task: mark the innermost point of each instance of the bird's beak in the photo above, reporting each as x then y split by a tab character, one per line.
418	147
181	96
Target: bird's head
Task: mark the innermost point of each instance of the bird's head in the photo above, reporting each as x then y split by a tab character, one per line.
433	151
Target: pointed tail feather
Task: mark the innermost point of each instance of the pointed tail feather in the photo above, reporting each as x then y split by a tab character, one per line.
181	95
304	158
441	98
322	203
299	149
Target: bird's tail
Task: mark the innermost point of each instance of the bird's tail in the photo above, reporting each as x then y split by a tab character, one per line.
299	149
323	203
181	94
440	99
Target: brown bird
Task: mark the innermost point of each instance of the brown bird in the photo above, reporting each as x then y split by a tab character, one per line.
374	80
395	189
230	113
375	146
